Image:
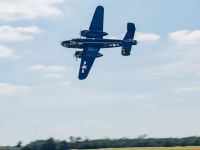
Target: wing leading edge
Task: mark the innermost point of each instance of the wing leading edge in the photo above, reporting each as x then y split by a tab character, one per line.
87	60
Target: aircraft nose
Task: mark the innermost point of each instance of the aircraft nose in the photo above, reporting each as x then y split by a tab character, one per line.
65	43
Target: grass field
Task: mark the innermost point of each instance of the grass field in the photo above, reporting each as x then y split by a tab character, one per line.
156	148
4	148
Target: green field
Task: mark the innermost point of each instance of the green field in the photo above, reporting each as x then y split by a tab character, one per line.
155	148
4	148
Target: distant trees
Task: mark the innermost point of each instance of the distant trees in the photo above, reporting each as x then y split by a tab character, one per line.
74	139
63	145
78	143
19	144
49	144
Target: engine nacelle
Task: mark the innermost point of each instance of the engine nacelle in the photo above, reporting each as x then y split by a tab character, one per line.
99	55
126	48
78	54
135	42
93	34
125	51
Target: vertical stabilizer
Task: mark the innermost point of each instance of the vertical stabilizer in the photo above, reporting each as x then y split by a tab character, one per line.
130	31
128	40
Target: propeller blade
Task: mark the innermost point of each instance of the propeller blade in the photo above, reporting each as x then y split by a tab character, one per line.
75	55
80	33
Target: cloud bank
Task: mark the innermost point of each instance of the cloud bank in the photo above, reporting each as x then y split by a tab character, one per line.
8	33
6	88
28	9
53	71
6	52
146	37
185	37
188	89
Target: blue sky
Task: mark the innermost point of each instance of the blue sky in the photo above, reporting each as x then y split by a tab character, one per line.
155	91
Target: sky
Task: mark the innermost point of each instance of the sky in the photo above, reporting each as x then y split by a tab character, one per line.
155	91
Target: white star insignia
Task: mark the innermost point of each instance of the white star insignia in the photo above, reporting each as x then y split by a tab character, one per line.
84	67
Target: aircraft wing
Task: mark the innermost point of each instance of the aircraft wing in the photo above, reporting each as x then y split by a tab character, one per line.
87	60
97	20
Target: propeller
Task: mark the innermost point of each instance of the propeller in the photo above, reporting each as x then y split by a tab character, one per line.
80	33
75	55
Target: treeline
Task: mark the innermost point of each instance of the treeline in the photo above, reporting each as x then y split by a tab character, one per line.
78	143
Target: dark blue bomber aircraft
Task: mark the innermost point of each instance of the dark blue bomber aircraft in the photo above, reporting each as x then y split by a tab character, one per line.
94	41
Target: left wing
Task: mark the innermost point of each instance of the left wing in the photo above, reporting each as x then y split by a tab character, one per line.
87	60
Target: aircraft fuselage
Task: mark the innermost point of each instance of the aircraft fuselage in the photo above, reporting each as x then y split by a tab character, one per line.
81	43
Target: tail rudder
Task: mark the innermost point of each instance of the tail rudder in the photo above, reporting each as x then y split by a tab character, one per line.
130	31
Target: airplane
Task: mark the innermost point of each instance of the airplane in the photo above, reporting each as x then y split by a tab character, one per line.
93	41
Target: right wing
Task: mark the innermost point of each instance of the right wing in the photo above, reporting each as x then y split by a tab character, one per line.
97	20
87	60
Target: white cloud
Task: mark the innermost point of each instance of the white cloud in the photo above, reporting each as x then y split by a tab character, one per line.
175	61
46	69
53	75
188	89
175	69
140	97
29	9
6	52
65	83
6	88
8	33
186	37
146	37
49	71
